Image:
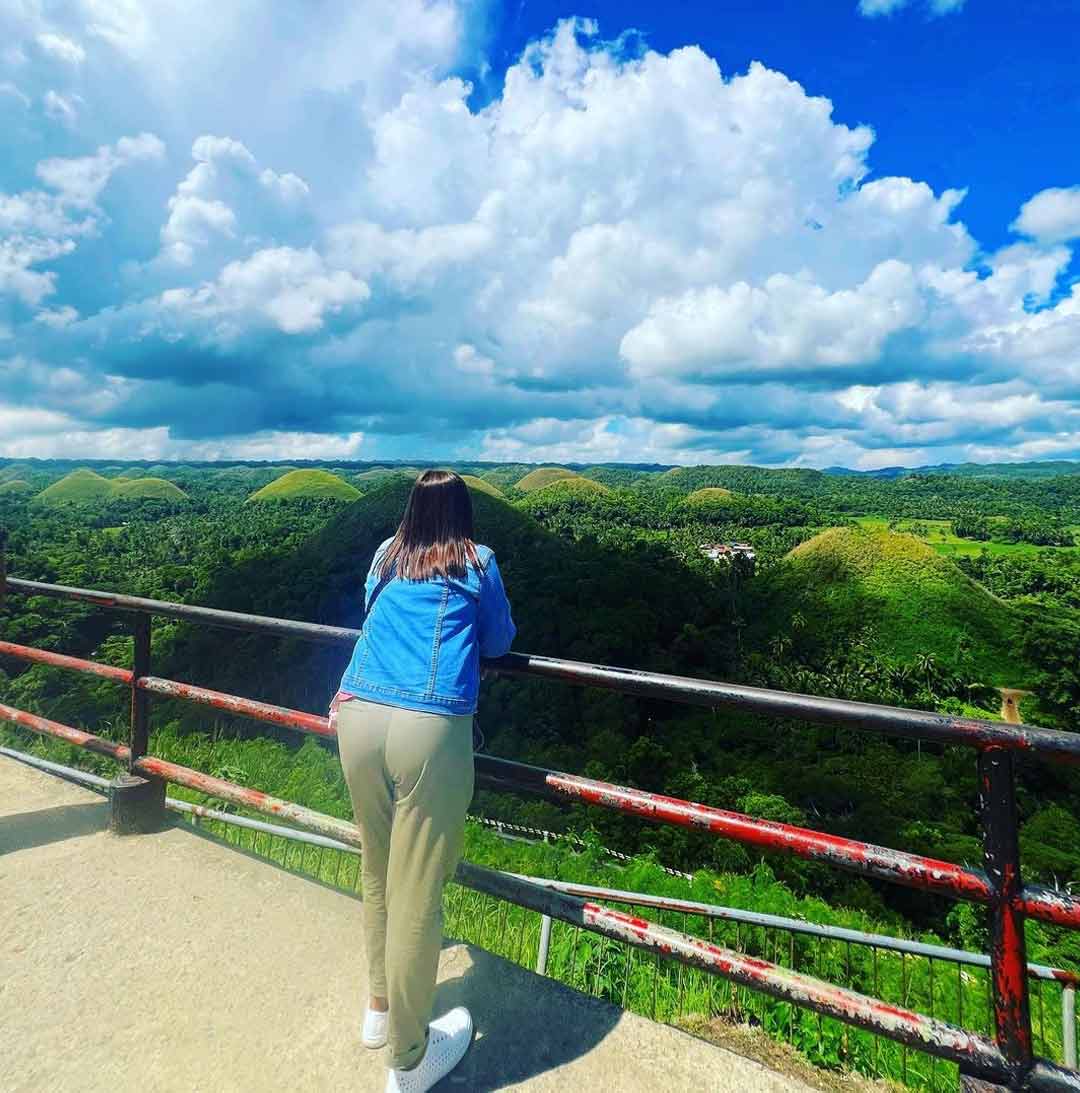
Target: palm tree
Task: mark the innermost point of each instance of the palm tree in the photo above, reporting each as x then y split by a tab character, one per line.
927	664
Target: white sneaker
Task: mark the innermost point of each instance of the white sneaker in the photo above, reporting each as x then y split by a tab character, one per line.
449	1037
373	1034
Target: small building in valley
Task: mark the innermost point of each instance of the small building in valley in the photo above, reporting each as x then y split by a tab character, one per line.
729	552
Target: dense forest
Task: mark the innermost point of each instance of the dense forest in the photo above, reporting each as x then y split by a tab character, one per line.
924	589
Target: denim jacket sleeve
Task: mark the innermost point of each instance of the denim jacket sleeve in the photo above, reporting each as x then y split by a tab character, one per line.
495	627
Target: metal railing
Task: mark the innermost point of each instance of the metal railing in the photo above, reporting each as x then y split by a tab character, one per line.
1009	1059
515	941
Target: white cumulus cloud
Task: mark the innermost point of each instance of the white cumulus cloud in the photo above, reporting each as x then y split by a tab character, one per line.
292	289
1051	216
80	179
225	176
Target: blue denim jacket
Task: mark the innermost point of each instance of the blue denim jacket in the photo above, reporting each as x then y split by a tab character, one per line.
420	646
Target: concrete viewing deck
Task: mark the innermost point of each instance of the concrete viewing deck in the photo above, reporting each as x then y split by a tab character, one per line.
173	962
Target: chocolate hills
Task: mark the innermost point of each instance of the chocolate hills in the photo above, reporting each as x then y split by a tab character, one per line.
306	483
912	601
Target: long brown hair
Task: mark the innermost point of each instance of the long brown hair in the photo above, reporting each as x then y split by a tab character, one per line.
435	537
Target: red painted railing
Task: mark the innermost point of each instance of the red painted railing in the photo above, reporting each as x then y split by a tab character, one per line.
1009	1061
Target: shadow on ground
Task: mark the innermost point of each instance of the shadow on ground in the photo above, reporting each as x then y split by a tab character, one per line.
24	830
520	1033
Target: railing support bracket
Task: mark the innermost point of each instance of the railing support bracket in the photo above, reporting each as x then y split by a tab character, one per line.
137	805
969	1083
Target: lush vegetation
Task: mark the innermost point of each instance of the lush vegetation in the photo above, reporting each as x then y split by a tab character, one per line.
872	588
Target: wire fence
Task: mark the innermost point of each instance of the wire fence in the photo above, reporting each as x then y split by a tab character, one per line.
675	994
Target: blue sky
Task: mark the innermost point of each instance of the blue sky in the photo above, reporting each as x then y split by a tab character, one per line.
771	231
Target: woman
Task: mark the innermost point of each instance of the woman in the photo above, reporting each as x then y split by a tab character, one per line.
435	605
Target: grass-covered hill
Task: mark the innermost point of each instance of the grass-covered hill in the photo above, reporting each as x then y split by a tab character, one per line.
574	486
709	495
132	488
16	472
379	474
543	476
15	485
481	485
306	483
80	485
912	602
85	485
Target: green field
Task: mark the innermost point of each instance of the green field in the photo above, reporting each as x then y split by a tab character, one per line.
939	535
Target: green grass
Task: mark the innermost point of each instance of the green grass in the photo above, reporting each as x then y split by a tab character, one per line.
543	476
912	600
939	535
15	485
306	483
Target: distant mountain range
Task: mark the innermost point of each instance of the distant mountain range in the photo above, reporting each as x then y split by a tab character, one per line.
1035	469
19	469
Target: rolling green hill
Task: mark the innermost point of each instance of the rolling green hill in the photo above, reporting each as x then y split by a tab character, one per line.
80	485
481	486
128	489
15	485
574	486
543	476
85	485
375	475
709	495
912	600
307	483
13	471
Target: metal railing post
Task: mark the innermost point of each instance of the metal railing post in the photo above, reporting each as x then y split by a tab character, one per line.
139	739
1068	1024
1008	956
138	802
545	942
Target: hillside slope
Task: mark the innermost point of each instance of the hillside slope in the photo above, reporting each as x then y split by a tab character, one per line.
563	488
910	599
709	495
131	488
481	485
80	485
306	483
543	476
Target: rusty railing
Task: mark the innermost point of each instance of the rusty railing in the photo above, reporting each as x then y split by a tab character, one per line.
1008	1060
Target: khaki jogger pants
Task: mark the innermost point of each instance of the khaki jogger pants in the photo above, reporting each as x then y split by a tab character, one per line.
410	777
